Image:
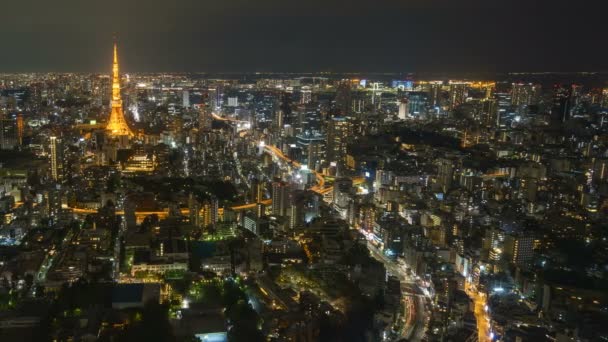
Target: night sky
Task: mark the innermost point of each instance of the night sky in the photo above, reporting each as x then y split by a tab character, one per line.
305	35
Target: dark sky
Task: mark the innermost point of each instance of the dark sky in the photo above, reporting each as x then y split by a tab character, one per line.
305	35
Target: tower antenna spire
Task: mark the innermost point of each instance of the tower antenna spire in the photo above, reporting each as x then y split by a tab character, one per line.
117	124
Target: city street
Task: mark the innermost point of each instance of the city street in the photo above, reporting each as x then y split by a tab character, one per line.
414	302
483	319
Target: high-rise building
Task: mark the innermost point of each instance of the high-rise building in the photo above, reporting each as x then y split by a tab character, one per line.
205	118
209	212
257	191
339	131
186	99
280	198
525	94
505	112
305	95
20	129
560	111
343	98
488	112
434	91
519	248
313	148
233	101
445	174
279	117
213	98
117	124
417	103
342	191
604	101
194	208
9	133
458	94
403	109
56	152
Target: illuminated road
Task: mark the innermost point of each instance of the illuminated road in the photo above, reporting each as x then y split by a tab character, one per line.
220	118
164	213
279	154
482	317
414	301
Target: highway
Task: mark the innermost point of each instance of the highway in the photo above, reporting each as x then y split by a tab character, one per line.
414	301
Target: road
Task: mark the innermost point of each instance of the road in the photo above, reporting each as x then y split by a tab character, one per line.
414	301
481	315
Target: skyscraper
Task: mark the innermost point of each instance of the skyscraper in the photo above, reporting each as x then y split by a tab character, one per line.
604	102
339	130
9	133
560	112
117	124
306	95
280	198
343	98
524	94
233	101
435	93
458	94
186	99
445	174
56	148
256	192
403	109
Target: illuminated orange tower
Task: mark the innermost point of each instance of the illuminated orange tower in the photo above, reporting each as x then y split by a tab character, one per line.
20	128
117	125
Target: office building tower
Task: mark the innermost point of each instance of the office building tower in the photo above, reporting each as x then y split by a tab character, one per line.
279	119
417	103
280	198
434	92
186	99
600	170
56	153
525	94
213	98
342	191
376	95
458	94
343	98
257	190
519	248
209	212
488	112
9	133
20	129
576	100
604	100
403	109
298	208
505	112
367	217
205	117
305	95
233	101
445	174
560	111
313	148
193	210
52	201
339	131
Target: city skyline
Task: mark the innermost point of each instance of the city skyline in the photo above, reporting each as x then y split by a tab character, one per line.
244	171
